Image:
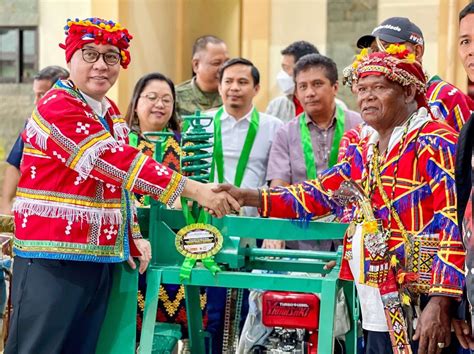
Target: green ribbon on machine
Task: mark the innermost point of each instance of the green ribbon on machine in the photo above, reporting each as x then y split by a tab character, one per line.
198	240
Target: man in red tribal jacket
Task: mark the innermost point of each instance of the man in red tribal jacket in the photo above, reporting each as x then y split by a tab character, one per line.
406	171
74	216
445	101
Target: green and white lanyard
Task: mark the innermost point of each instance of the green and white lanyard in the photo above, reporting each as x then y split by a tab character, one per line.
218	160
307	145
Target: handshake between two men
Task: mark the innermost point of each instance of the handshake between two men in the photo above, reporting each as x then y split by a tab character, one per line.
221	199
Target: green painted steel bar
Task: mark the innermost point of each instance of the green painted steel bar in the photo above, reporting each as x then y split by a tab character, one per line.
194	313
281	229
246	280
353	308
197	147
196	167
154	276
327	287
288	265
269	228
263	252
199	134
199	137
327	315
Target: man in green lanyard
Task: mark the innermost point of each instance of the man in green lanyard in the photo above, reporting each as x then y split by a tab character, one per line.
242	136
242	141
309	144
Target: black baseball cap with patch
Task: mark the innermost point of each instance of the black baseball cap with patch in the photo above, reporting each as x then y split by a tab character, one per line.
394	30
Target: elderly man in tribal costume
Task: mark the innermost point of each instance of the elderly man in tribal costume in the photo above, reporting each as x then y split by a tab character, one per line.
446	102
74	216
404	172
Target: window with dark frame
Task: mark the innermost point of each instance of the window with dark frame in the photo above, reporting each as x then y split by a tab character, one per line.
18	54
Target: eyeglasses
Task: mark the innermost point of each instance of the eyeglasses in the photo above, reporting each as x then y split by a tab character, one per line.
153	98
92	55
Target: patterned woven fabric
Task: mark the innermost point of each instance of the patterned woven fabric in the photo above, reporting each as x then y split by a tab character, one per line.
171	156
424	197
448	103
73	199
171	304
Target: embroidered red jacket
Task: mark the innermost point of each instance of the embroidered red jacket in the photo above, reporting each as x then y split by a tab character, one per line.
73	198
424	197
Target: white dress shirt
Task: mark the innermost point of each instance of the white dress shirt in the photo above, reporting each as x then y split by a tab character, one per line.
99	107
234	133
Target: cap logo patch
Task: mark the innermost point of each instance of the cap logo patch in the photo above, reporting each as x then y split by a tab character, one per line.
394	28
415	38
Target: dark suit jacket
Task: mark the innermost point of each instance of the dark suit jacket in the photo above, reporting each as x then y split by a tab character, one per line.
463	171
463	177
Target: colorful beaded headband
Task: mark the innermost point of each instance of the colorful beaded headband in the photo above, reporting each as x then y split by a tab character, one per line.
396	63
98	31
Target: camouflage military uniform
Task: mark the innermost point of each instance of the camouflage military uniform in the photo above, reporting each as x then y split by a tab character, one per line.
190	98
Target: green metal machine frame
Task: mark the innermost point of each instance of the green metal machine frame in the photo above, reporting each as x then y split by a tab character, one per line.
238	258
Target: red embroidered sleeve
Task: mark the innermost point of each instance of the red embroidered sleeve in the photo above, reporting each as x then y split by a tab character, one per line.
308	199
64	128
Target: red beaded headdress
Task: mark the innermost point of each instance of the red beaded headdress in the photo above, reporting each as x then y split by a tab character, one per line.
396	64
98	31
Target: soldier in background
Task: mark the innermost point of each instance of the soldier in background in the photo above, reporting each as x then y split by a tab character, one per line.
200	92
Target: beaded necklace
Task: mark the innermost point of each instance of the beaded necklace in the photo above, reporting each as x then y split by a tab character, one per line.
374	179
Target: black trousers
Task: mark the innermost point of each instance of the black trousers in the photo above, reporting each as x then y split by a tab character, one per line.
58	306
379	342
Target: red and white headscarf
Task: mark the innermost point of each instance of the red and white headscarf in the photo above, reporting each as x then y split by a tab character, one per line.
98	31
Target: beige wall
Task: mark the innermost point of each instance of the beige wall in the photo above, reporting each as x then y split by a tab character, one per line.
202	17
164	31
423	13
52	18
152	24
450	65
291	21
256	43
438	20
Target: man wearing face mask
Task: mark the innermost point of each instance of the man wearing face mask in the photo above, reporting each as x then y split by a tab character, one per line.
287	106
